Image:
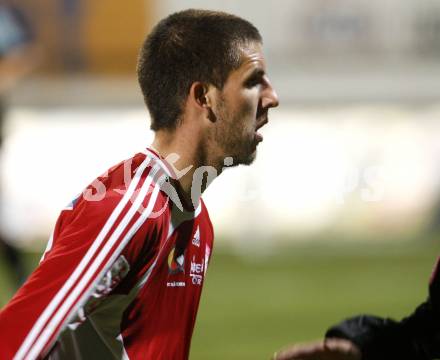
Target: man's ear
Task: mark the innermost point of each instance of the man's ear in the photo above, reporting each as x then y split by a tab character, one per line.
199	94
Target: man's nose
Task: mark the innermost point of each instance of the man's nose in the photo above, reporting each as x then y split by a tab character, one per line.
270	97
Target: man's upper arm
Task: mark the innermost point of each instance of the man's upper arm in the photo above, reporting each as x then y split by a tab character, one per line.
85	246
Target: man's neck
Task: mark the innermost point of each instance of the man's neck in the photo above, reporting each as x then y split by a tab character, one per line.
184	154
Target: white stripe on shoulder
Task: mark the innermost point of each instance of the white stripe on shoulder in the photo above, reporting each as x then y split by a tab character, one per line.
158	160
50	309
135	227
74	296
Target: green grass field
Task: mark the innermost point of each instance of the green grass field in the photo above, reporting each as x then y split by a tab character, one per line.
251	306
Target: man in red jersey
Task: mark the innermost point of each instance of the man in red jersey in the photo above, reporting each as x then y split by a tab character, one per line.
123	271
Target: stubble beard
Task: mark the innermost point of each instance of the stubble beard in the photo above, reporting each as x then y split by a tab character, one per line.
229	136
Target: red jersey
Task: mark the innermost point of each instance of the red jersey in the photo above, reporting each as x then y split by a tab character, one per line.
121	277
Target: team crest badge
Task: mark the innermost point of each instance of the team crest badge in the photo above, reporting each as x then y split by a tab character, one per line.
176	262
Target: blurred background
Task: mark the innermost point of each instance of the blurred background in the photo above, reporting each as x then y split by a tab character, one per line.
340	214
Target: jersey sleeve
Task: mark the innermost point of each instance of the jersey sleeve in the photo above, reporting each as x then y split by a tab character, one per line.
91	250
416	337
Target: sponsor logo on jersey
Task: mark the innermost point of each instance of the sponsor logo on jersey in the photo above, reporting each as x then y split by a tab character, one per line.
197	271
176	265
196	238
176	284
176	262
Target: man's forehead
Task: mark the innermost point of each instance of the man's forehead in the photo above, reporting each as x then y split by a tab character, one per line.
252	57
252	53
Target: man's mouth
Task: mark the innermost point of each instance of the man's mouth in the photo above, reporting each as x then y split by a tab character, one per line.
258	136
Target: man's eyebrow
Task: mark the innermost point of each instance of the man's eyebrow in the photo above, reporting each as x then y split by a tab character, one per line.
256	73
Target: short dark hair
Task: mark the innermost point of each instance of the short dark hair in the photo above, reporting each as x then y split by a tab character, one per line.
188	46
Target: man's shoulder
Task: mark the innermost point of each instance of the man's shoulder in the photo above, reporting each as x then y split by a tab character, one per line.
130	182
125	199
128	175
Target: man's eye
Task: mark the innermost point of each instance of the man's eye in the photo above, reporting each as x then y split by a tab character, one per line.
253	82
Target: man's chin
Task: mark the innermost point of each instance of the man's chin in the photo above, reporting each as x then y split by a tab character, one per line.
249	159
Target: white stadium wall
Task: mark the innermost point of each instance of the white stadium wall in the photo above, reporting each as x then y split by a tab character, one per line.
356	169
